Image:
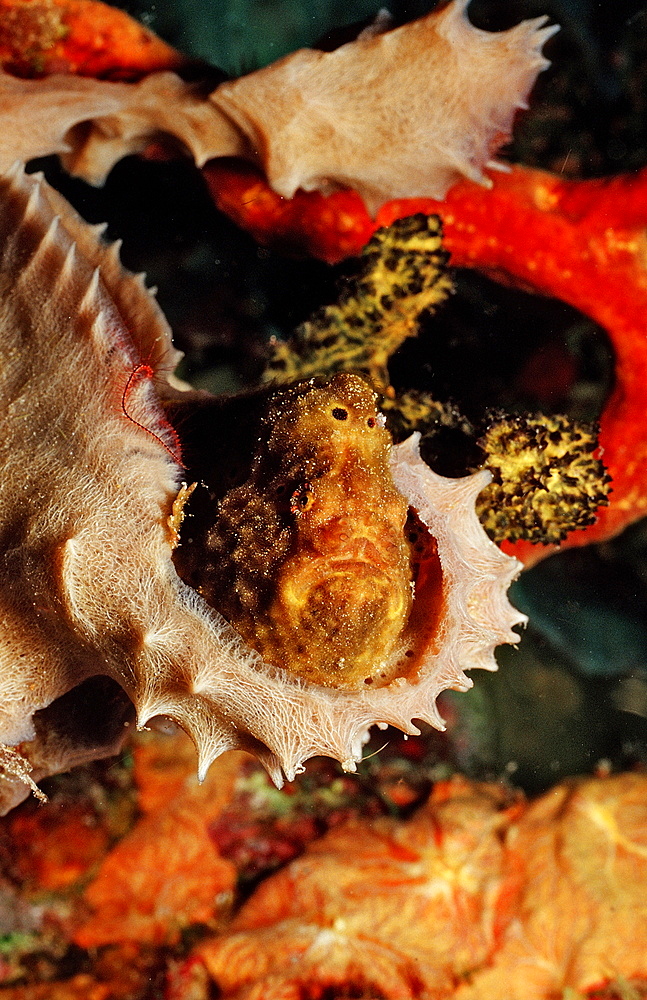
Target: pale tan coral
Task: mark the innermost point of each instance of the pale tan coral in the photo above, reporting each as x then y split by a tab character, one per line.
89	589
402	113
406	113
94	123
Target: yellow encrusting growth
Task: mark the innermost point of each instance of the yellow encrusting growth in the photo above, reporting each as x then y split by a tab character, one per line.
402	274
416	410
547	480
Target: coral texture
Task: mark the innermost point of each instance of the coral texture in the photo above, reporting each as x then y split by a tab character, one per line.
313	120
567	239
78	36
477	897
134	898
89	525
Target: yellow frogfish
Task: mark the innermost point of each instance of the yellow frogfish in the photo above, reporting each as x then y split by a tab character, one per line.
308	558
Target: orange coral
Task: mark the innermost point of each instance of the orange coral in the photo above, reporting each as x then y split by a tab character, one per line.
86	37
581	917
475	898
51	849
580	241
357	909
166	873
330	227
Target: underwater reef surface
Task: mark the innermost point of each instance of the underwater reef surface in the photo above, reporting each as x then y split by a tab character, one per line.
551	890
225	296
136	882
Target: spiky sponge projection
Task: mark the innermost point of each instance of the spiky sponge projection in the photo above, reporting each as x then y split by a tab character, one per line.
88	588
402	273
395	114
546	478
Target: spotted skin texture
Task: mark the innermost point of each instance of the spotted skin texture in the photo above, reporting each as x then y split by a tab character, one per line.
308	558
